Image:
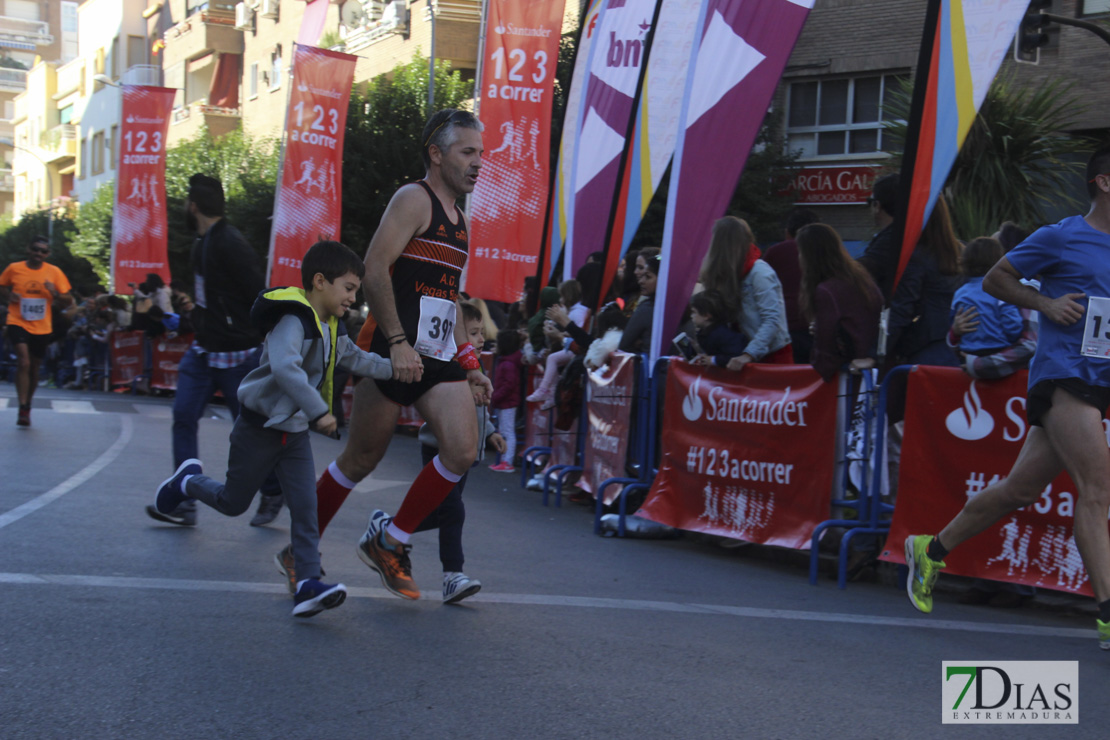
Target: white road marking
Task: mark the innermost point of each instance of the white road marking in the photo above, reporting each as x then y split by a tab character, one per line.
580	602
73	407
74	480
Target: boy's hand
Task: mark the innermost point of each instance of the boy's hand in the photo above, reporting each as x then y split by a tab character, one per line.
480	386
498	442
327	424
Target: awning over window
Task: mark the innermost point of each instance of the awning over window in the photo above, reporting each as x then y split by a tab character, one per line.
224	92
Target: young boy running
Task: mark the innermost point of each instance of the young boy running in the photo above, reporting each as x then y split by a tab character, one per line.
287	393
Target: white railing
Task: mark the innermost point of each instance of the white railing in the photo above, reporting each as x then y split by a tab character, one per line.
142	74
455	10
25	30
71	76
13	79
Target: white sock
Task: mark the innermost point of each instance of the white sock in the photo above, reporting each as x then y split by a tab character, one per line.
185	482
301	583
402	537
341	479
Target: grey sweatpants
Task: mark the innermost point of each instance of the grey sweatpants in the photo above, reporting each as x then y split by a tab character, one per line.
254	453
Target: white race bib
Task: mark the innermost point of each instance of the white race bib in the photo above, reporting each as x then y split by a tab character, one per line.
32	309
435	334
1096	332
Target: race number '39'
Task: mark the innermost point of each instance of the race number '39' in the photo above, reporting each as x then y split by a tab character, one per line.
435	335
1096	332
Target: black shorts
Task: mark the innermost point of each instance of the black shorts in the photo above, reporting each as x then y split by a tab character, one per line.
435	372
1039	399
36	343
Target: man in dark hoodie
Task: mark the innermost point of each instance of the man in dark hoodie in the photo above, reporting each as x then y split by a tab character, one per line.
228	276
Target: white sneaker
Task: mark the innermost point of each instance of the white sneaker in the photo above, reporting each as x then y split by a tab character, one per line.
458	586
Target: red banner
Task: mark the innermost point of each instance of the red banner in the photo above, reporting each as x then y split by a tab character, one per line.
139	220
746	455
165	356
961	436
308	204
125	356
507	206
609	402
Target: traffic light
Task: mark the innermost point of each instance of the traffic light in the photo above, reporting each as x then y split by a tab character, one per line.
1032	35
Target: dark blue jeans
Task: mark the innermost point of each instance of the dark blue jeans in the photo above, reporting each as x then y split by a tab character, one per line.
196	383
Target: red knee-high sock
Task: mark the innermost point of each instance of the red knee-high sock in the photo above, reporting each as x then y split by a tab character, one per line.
427	492
330	495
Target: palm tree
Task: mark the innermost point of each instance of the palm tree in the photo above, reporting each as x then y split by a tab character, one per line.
1017	158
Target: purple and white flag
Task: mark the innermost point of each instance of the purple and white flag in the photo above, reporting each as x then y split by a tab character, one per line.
739	56
617	52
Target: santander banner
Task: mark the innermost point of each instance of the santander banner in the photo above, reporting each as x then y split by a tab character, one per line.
961	436
508	204
611	395
619	51
746	455
309	198
139	222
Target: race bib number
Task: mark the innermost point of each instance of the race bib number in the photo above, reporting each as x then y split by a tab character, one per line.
1096	333
435	335
32	309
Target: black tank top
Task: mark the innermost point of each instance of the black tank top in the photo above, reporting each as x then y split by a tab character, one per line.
430	265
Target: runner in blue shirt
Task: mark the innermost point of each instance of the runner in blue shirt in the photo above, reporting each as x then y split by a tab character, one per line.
1069	391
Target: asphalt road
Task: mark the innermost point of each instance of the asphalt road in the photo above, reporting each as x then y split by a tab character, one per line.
116	626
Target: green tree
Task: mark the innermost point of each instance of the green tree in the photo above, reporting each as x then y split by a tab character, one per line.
248	169
381	148
1017	159
92	237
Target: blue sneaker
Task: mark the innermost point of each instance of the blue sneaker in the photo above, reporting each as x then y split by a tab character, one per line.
314	597
171	493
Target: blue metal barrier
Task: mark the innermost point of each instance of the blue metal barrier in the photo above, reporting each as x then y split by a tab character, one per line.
638	447
648	421
873	514
558	473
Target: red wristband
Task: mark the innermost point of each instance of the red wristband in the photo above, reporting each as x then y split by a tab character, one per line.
468	357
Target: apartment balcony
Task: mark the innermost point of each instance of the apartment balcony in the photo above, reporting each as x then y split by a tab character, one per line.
188	120
13	80
7	180
18	33
71	78
59	142
202	33
142	74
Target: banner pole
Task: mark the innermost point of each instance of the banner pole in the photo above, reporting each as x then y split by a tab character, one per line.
281	166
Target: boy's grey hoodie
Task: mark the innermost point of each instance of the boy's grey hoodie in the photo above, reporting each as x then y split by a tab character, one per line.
292	387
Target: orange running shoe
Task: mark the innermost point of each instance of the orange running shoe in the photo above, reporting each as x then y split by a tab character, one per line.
394	565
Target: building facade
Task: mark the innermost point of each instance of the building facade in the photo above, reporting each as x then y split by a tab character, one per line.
30	31
851	56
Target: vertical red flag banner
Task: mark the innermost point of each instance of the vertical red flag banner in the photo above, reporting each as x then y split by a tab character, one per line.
961	436
748	456
609	401
139	221
309	197
508	203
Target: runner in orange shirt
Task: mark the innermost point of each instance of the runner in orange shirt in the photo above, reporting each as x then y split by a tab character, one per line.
33	286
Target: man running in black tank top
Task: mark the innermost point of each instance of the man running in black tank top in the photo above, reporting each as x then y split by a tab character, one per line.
413	267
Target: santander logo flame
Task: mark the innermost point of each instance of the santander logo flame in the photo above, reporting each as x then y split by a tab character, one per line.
970	422
691	405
